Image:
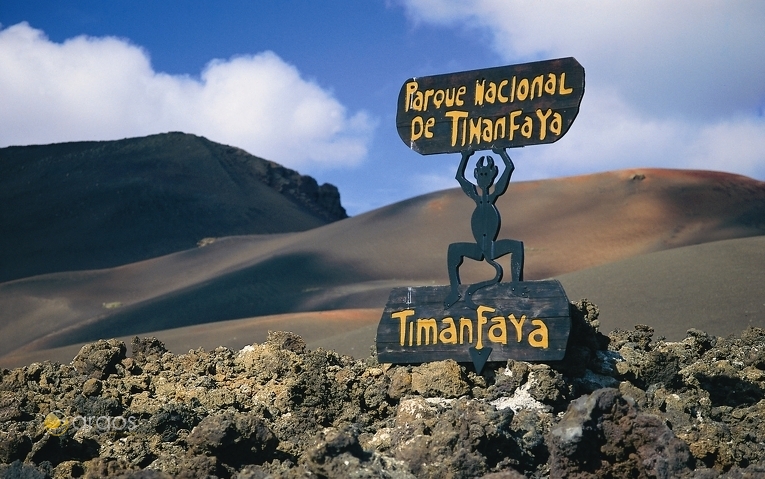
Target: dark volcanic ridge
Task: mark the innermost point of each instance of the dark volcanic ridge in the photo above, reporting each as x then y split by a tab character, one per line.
622	405
88	205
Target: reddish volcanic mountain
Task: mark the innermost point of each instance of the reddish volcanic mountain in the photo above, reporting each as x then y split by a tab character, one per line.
621	221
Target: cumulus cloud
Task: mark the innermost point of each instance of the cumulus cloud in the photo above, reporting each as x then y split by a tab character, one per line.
105	88
669	84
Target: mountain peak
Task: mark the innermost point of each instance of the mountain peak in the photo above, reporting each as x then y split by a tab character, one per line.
97	204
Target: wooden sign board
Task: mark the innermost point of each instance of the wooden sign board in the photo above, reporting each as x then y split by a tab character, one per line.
510	106
526	320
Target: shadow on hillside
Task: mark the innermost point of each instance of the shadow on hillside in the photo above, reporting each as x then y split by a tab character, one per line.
261	290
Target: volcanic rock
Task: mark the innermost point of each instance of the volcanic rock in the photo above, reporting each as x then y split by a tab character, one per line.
622	405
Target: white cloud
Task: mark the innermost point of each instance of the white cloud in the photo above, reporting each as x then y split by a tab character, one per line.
105	88
669	84
609	134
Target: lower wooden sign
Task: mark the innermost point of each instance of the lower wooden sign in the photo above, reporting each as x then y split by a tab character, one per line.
525	320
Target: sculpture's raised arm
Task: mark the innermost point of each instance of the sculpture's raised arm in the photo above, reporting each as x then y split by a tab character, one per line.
467	187
501	185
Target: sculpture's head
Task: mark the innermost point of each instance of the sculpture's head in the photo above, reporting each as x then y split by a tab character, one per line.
485	172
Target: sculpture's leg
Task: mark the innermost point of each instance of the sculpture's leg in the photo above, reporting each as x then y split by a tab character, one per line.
457	252
515	248
475	287
516	261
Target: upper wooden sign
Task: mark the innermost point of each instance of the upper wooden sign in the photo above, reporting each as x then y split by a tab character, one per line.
510	106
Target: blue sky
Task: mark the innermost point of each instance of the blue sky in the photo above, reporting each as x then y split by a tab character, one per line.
313	85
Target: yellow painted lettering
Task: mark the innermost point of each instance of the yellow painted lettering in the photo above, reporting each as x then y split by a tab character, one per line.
512	91
491	92
411	87
527	128
426	326
536	85
543	122
563	89
438	98
417	128
411	333
461	91
502	98
513	126
479	89
402	317
550	84
482	310
449	100
428	94
518	326
499	127
466	323
417	101
556	125
487	130
538	338
456	116
523	89
498	330
448	335
428	125
475	130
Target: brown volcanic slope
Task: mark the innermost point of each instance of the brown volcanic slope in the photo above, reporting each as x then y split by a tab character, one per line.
717	287
85	205
567	225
